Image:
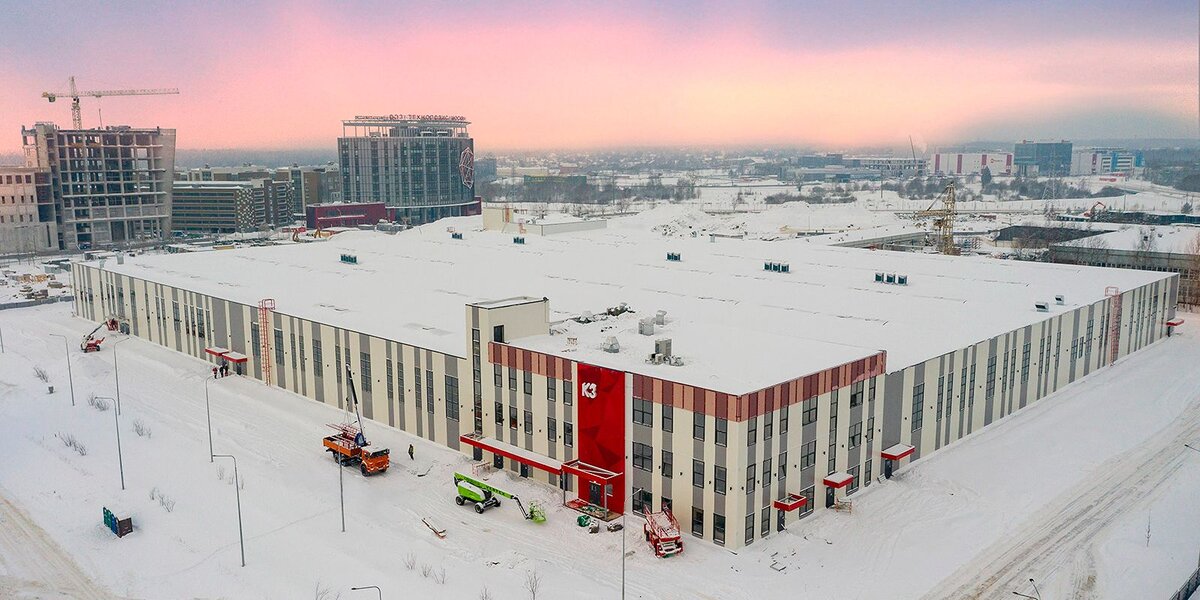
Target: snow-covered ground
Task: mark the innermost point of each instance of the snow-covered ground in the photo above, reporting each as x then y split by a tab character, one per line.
1059	492
19	278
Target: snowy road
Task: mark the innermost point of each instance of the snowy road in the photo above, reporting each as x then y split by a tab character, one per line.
32	565
1055	537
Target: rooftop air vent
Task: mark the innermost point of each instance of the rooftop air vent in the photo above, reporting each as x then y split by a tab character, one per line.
777	267
350	259
646	326
519	240
662	347
611	344
889	278
456	236
1042	306
674	256
660	317
879	277
1060	300
902	280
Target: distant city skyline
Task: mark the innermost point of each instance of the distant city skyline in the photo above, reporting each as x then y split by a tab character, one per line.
577	76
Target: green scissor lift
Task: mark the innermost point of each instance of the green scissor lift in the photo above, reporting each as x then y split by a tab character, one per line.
484	496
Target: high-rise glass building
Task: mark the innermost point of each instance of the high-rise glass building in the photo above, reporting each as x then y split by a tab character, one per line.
1042	158
420	165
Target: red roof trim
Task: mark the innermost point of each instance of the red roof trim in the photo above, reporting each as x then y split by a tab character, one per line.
837	484
897	452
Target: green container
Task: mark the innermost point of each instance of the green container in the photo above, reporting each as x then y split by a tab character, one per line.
583	520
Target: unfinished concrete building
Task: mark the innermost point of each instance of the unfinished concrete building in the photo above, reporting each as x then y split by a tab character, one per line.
110	186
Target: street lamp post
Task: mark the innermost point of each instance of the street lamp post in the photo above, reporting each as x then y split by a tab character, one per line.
117	373
341	489
1191	447
70	377
623	532
238	495
117	424
208	414
369	587
1035	591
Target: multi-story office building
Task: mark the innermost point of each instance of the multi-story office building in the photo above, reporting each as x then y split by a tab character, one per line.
243	173
109	186
889	166
1048	159
231	206
1106	161
709	385
26	211
312	185
421	165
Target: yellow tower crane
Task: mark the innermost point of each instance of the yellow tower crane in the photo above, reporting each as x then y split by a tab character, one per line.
943	220
75	95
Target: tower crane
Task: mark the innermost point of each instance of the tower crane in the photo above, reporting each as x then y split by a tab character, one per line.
75	95
943	219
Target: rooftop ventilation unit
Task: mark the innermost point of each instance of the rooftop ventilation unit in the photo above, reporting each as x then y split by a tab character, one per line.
879	277
776	267
456	236
660	317
519	240
1060	300
902	280
611	344
350	259
676	361
662	347
674	256
1042	306
646	326
889	278
587	317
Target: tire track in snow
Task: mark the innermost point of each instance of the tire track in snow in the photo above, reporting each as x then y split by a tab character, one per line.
28	553
1077	517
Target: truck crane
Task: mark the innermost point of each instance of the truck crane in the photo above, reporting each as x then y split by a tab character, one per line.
74	94
350	446
483	496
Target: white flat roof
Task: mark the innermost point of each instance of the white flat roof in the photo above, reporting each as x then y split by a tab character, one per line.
1174	239
737	327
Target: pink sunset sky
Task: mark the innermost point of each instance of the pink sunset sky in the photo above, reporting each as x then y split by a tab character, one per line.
607	74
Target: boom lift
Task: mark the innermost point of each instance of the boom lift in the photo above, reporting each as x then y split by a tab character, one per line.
662	531
91	343
484	496
350	446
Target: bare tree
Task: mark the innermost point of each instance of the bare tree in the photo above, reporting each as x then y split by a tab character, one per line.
533	583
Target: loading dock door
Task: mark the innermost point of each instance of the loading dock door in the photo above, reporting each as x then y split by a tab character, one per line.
829	497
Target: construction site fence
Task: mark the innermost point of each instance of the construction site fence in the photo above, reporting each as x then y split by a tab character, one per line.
28	303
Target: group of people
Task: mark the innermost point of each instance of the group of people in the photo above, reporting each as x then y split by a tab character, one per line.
221	371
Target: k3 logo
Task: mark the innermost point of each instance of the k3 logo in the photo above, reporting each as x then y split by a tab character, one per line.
587	390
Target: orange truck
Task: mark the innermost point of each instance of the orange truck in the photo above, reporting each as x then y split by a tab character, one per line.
350	446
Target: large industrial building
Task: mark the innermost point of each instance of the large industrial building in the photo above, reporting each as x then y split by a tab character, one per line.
972	163
110	186
1169	249
420	165
743	384
1047	159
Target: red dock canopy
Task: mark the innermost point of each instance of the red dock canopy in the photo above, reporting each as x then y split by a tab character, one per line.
790	503
897	452
838	480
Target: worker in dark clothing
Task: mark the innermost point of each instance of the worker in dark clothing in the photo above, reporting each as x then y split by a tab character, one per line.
224	369
214	370
410	452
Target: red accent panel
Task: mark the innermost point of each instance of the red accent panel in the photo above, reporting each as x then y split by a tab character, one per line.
792	502
527	459
600	407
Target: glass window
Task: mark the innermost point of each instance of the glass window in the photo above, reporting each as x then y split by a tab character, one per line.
668	418
452	398
568	391
568	434
668	464
528	421
918	408
643	412
719	483
499	413
551	429
808	455
722	431
749	528
718	529
751	431
698	473
783	465
551	388
528	381
766	472
643	457
855	435
809	408
698	425
697	522
751	471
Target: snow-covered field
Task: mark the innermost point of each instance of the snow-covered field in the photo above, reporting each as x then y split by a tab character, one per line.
1059	492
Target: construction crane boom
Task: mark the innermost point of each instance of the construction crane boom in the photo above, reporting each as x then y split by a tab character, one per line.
75	95
943	219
